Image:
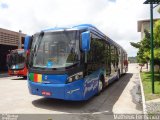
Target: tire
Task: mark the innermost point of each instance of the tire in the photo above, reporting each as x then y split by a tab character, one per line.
24	77
100	85
118	75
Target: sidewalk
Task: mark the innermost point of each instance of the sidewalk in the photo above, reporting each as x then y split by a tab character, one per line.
153	106
130	101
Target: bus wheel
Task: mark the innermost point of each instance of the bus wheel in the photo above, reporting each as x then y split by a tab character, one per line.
24	77
100	86
118	75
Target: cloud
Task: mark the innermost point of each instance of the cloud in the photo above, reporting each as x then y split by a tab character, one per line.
116	18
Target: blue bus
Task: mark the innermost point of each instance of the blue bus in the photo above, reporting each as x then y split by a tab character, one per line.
74	63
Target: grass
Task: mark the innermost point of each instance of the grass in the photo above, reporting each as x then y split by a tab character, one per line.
147	85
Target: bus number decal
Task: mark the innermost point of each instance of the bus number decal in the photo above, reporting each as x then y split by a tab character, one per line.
90	85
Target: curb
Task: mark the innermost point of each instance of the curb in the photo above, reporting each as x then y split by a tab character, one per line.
143	98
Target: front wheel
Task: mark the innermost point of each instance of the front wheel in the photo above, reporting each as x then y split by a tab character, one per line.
24	77
100	86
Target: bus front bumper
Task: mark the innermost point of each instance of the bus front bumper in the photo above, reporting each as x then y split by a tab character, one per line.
71	91
22	72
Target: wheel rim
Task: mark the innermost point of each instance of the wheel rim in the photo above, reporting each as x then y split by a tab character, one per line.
118	75
100	86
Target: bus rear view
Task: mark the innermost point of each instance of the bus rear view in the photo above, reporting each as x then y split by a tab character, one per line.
60	66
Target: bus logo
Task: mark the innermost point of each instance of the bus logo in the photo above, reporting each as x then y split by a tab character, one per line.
46	77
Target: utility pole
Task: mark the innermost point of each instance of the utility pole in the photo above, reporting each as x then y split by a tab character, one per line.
151	2
20	41
152	46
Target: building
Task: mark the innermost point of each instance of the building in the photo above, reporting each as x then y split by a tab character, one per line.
9	40
144	24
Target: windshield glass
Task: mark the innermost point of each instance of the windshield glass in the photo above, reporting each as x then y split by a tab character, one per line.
56	50
16	59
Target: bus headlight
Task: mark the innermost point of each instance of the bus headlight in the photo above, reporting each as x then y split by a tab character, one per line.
70	79
75	77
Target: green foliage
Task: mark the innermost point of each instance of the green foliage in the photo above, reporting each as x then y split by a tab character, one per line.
157	34
141	58
145	43
144	48
136	45
132	59
157	43
146	81
159	10
157	53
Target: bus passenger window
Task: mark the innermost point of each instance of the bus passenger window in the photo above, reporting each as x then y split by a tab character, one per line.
96	55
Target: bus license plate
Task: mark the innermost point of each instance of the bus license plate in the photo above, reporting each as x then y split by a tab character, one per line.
46	93
14	72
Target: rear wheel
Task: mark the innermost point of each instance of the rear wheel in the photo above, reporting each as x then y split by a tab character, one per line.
118	75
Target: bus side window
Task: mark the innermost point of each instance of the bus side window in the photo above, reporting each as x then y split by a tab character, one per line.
90	58
112	55
96	57
108	59
116	57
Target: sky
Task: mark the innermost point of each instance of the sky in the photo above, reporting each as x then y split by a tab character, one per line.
115	18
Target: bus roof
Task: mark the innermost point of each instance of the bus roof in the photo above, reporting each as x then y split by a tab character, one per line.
86	27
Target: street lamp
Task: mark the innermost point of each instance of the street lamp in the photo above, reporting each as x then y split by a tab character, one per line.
20	41
151	2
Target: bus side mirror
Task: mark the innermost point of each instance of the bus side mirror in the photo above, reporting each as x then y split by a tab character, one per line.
27	42
27	47
85	42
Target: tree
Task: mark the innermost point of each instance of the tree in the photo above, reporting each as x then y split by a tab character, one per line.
156	34
144	47
159	10
136	45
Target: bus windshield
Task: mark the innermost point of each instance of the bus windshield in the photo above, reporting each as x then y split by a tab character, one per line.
56	49
16	59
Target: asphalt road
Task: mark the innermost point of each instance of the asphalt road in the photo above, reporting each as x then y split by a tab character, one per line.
121	97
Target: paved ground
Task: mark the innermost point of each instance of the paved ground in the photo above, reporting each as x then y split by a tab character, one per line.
122	96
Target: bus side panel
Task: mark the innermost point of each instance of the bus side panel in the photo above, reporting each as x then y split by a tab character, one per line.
74	90
91	83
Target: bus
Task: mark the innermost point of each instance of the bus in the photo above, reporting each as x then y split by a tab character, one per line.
16	60
16	63
74	63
